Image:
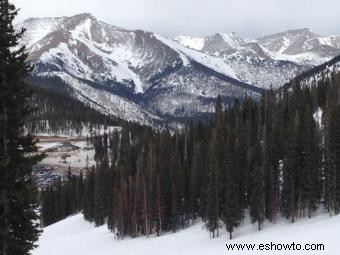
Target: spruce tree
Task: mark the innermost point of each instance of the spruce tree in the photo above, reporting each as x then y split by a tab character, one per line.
89	191
216	168
289	175
256	189
18	218
310	168
335	131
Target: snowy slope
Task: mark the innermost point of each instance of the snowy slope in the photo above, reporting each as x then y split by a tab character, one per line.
141	76
271	60
301	46
212	62
74	236
316	74
38	29
126	72
195	43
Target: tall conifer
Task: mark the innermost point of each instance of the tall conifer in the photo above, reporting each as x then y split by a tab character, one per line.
18	218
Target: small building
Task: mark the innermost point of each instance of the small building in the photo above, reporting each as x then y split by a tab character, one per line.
64	147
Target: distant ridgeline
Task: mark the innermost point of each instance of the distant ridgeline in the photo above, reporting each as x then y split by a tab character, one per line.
314	75
278	156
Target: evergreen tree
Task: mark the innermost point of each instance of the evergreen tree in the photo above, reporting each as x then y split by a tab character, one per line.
290	166
260	156
18	218
89	191
335	150
100	195
311	187
256	188
216	168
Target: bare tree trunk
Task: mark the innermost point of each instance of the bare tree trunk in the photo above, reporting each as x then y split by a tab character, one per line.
146	220
159	206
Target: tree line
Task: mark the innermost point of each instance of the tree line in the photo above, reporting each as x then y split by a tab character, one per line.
52	114
277	156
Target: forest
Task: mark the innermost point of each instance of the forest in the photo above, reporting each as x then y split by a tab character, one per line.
278	156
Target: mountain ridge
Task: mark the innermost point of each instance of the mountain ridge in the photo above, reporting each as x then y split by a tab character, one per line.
122	68
141	76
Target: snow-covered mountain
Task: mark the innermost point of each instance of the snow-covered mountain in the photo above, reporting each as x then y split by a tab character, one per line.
135	75
141	76
271	60
313	76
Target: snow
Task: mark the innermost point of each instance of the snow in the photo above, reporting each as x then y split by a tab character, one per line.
38	29
116	60
284	45
74	236
121	70
306	58
194	43
72	64
215	63
318	117
305	48
198	43
45	145
325	73
86	129
85	51
114	105
76	159
233	39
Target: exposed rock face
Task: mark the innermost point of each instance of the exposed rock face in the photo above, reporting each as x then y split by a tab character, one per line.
135	75
141	76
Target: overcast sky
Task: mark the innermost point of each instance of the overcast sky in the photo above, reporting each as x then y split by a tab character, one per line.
249	18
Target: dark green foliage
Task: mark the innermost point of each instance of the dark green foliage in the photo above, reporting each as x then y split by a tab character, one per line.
63	198
88	204
217	168
263	157
18	194
334	170
53	114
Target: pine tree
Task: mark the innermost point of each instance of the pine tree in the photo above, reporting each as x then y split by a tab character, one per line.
18	227
256	188
89	190
335	147
216	168
263	156
310	168
100	196
290	177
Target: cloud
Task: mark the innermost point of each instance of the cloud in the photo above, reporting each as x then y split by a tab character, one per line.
250	18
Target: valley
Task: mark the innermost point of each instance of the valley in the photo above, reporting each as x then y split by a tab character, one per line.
146	78
150	127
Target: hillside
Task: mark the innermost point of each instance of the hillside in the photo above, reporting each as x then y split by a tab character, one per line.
74	236
269	61
145	77
314	75
131	74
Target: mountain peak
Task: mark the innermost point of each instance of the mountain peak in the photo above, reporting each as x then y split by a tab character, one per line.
226	40
84	15
89	55
81	17
306	30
